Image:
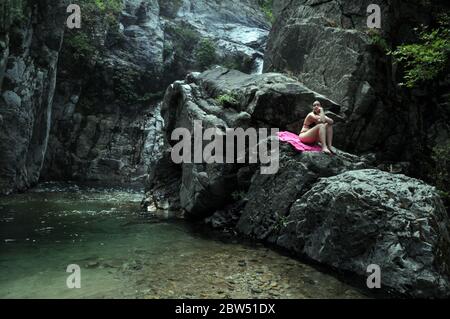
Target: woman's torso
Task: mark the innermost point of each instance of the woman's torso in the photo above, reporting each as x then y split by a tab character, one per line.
308	123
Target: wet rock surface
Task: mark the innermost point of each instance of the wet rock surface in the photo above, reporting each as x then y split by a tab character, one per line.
352	220
114	145
100	121
106	125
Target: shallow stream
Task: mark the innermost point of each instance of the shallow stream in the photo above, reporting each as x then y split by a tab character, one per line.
123	253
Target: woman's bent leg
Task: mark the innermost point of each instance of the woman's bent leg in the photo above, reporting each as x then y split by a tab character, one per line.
330	136
317	133
323	138
311	136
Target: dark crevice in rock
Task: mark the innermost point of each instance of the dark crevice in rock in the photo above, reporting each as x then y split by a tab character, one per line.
319	3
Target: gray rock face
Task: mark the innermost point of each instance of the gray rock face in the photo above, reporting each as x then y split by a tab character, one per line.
326	45
114	146
28	60
98	134
270	197
239	28
164	182
329	47
163	36
364	217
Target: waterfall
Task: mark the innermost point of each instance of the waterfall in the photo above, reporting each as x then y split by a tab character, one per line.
258	66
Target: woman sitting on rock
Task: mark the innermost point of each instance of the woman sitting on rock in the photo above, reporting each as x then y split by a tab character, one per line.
318	128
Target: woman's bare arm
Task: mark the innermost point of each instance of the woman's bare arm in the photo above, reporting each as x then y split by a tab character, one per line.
328	120
311	118
324	118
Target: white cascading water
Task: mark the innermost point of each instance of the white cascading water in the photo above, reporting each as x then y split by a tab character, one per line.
258	66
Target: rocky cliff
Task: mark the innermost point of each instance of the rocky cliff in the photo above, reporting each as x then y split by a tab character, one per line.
93	115
29	50
105	121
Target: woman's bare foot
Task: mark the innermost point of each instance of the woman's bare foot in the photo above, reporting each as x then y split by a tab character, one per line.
332	149
326	150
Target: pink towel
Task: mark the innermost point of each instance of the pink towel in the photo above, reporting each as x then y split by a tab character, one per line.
294	140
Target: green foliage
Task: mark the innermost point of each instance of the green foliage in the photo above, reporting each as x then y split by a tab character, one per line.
125	85
11	12
205	53
17	10
170	8
187	42
441	158
184	39
109	6
98	17
441	170
377	39
188	45
168	50
231	64
149	97
426	60
280	222
82	45
227	100
267	7
239	195
99	12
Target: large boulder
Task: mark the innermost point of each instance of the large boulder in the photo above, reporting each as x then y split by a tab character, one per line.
261	101
365	217
270	197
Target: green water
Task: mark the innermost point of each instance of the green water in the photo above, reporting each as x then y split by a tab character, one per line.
123	253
